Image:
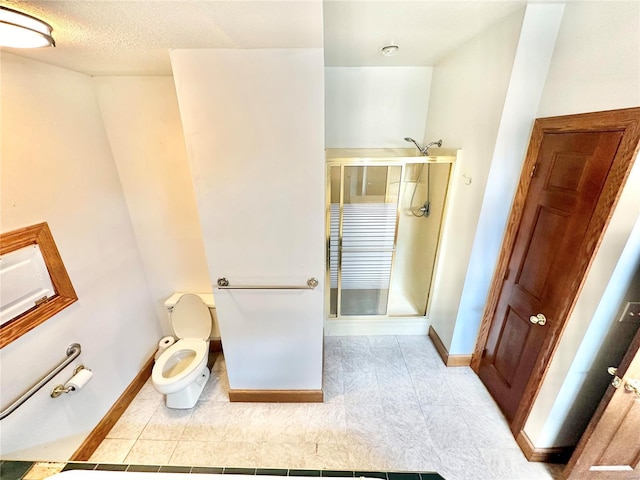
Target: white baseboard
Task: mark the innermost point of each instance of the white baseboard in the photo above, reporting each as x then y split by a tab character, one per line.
377	326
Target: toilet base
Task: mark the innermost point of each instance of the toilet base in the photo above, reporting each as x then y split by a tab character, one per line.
188	396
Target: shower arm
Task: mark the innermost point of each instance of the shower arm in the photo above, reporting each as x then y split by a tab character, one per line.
423	150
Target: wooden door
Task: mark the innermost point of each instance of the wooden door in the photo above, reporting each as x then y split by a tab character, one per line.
610	446
567	182
575	169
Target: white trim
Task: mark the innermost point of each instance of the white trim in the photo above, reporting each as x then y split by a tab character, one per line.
373	326
611	468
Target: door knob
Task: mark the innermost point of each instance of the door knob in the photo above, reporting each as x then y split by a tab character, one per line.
538	319
616	379
632	385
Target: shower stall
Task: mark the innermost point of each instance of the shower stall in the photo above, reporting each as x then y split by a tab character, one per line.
384	216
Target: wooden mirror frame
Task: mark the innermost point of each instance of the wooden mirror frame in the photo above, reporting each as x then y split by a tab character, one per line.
64	295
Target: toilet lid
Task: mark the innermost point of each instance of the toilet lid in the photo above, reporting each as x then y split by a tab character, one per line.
190	317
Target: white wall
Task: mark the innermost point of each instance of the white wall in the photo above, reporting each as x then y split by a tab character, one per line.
57	167
468	93
596	66
533	56
596	63
375	107
145	133
254	130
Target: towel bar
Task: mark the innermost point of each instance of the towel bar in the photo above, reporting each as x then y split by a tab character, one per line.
223	284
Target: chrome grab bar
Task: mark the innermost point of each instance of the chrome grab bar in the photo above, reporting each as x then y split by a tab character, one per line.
73	351
223	284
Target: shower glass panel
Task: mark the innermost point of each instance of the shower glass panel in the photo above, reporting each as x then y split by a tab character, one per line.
334	235
363	236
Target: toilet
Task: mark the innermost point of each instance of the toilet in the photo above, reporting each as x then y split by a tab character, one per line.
181	372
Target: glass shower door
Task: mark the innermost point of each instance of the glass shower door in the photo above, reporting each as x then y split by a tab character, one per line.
363	219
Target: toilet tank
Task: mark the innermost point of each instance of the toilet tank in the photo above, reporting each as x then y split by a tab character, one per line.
207	298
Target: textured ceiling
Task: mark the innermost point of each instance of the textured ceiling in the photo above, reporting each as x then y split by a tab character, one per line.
355	31
119	37
116	37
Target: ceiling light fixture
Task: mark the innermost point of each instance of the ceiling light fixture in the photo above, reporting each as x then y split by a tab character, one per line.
19	30
390	50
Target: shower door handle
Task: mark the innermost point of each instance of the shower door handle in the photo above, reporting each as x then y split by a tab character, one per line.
367	249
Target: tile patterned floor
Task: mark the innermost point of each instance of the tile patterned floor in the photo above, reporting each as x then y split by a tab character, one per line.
390	405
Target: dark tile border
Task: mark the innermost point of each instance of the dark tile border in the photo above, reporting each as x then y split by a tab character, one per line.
272	471
304	473
15	470
113	467
382	475
79	466
215	470
239	471
143	468
174	469
403	476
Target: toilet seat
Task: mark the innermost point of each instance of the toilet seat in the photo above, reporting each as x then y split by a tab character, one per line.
191	318
183	362
194	353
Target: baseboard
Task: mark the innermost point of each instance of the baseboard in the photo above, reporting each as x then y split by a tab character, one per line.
449	360
385	326
276	396
458	360
546	455
215	345
98	434
440	348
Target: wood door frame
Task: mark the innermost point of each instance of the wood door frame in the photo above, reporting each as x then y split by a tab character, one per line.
626	120
576	462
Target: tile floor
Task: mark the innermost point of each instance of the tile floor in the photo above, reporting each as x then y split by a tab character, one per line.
390	405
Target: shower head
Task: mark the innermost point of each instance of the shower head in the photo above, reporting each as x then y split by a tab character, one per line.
409	139
424	150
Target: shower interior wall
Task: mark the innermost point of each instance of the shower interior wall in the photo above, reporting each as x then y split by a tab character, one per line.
417	240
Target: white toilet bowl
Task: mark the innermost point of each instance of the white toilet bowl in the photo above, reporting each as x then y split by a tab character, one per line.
181	372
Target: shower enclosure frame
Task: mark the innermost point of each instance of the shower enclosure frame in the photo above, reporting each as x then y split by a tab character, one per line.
378	157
